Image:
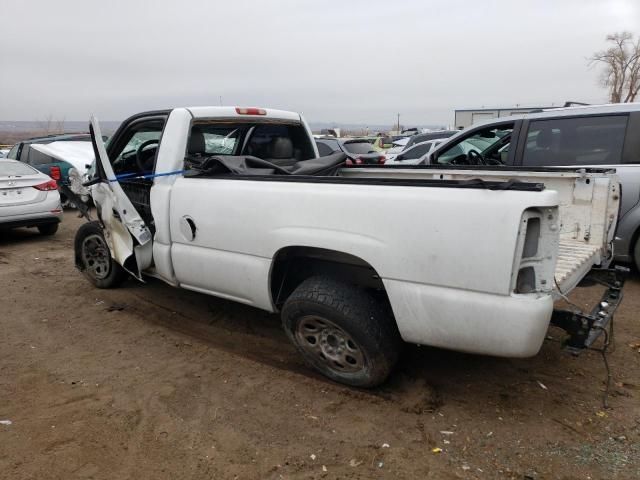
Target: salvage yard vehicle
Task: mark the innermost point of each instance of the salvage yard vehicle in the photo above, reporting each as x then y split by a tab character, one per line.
28	198
55	155
435	134
413	155
358	150
76	158
472	261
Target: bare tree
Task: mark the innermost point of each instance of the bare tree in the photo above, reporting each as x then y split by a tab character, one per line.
50	126
621	67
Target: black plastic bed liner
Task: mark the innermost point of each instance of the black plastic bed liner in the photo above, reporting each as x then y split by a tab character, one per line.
490	168
326	170
476	183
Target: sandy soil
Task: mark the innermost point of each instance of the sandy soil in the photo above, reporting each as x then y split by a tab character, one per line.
148	381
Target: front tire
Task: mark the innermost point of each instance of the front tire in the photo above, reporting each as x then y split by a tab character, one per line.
342	331
48	229
94	259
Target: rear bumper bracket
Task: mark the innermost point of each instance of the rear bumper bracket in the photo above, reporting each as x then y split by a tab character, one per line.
584	329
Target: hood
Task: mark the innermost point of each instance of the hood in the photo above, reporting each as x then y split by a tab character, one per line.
77	153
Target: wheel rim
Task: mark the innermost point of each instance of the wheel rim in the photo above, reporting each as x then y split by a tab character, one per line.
329	344
96	257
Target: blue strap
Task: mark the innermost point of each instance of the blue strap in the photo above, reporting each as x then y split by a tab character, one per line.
124	176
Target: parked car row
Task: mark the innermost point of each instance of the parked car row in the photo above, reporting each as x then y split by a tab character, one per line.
380	150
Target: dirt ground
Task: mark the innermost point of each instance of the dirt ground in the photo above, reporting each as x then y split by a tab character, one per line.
147	381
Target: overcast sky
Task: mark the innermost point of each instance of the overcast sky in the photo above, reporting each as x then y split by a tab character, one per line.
352	61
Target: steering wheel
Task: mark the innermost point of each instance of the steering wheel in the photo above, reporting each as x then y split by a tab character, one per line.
475	157
139	159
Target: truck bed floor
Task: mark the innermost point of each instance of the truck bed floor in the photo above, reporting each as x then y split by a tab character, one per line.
575	259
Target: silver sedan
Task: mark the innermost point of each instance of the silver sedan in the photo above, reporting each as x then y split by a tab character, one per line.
28	198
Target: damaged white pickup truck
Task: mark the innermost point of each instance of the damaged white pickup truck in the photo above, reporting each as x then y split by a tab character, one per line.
234	202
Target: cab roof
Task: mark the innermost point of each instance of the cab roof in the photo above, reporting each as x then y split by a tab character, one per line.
234	112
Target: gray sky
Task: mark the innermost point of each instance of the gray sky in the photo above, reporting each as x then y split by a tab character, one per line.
352	61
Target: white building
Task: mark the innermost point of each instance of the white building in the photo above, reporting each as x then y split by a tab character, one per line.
469	116
466	117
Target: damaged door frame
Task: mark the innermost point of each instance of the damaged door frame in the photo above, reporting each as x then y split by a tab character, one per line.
127	236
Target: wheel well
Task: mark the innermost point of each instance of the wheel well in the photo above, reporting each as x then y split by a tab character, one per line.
293	265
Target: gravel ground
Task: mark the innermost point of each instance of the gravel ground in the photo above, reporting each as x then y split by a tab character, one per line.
147	381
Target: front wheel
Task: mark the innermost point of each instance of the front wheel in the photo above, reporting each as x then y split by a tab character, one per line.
341	331
94	259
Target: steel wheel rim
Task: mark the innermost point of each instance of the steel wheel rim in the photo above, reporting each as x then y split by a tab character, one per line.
329	344
96	257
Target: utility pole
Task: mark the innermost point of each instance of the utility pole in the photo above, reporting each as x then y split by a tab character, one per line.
220	99
398	123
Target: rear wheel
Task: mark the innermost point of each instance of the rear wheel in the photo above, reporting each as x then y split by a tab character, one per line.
94	259
341	331
48	229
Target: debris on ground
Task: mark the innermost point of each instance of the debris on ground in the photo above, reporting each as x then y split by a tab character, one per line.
116	307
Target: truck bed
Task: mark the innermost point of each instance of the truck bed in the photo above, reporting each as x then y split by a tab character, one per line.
589	201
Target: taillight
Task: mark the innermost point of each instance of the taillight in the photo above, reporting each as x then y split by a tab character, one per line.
535	252
50	185
55	173
348	162
382	159
250	111
358	161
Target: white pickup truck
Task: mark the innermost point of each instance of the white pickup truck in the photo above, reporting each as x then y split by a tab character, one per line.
234	202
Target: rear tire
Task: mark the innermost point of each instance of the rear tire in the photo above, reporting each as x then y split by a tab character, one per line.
636	254
48	228
342	331
93	257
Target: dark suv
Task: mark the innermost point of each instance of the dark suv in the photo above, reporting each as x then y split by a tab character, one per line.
589	136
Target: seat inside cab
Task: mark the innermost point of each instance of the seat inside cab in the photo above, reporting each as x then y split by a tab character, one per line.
277	143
